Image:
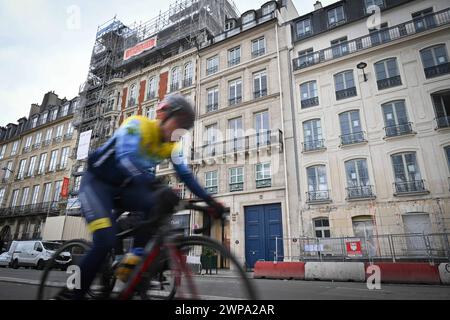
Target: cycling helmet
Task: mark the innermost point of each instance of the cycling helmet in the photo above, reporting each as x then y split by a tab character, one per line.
177	105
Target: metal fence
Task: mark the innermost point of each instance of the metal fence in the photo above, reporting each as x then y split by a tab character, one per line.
390	247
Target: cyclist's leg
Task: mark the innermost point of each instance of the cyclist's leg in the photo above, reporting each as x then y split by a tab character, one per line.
97	203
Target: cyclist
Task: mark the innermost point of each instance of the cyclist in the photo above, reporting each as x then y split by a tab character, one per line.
124	167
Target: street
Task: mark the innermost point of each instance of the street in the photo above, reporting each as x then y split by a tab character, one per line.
21	284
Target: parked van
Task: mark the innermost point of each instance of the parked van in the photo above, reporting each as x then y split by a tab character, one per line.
37	253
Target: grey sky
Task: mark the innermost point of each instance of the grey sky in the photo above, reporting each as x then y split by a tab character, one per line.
43	48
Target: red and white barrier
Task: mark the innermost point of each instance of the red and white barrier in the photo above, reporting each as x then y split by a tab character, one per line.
279	270
407	272
337	271
444	273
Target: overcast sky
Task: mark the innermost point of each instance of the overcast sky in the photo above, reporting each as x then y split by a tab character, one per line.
45	45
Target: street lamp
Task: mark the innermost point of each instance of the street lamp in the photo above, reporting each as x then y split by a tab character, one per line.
362	66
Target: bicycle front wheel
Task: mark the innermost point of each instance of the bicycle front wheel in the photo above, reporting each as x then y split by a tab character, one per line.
203	269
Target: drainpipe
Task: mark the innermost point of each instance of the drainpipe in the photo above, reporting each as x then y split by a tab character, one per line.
284	143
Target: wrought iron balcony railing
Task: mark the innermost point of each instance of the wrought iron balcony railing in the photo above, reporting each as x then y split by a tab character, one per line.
260	93
212	70
399	129
438	70
389	82
352	138
187	82
360	192
311	102
259	52
234	101
399	31
318	196
234	62
442	122
31	209
236	186
346	93
212	107
413	186
212	190
264	183
313	145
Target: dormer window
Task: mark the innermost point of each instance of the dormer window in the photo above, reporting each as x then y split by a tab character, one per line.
229	25
248	17
268	8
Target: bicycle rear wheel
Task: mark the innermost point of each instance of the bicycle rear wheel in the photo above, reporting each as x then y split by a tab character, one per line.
192	257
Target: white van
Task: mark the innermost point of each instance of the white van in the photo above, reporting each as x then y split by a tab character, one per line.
37	253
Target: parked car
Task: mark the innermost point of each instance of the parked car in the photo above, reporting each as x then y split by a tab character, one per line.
37	253
5	259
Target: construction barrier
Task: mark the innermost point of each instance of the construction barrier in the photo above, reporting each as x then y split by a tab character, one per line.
444	273
407	272
279	270
338	271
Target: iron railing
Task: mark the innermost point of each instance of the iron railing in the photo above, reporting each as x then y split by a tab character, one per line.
235	100
351	138
239	186
313	145
263	183
260	93
212	70
360	192
399	31
318	196
398	129
212	107
442	122
311	102
31	209
259	52
407	187
438	70
346	93
389	82
234	62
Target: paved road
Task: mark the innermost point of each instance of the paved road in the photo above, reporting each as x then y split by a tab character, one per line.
268	289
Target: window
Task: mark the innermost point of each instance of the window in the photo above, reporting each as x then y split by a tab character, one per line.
339	47
64	157
22	165
211	182
258	47
447	153
57	194
110	103
48	135
317	183
336	16
2	196
322	227
305	58
15	198
32	166
65	109
211	140
249	17
345	85
15	147
70	129
151	88
308	94
42	160
268	9
312	133
8	169
369	3
2	151
236	179
303	28
229	25
351	128
358	185
37	139
407	173
396	118
380	35
25	193
235	135
54	114
59	131
44	118
53	158
35	195
212	65
213	99
133	95
387	74
28	143
441	103
187	79
435	61
259	84
151	113
235	92
234	56
263	175
262	128
423	19
34	122
47	190
175	79
76	184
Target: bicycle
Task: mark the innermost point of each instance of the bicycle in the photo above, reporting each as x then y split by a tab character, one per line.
163	272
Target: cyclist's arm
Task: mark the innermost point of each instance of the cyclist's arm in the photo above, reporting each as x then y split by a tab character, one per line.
128	140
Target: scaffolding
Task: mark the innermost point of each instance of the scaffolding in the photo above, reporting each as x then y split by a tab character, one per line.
186	24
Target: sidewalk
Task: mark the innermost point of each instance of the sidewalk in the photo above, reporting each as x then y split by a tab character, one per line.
222	273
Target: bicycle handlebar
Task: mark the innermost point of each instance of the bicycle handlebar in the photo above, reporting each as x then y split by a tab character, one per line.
190	205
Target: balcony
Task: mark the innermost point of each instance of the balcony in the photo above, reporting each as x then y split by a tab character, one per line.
346	93
410	187
311	102
36	146
437	71
45	208
398	130
187	82
236	187
68	136
268	141
319	196
174	87
389	82
26	149
212	107
260	93
259	52
353	138
212	70
399	31
211	190
360	193
442	122
234	101
263	183
151	95
313	145
234	62
57	139
46	143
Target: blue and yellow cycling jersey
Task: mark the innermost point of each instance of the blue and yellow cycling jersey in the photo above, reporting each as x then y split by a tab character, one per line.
134	152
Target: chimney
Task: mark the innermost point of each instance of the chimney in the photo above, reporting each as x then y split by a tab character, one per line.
35	108
317	5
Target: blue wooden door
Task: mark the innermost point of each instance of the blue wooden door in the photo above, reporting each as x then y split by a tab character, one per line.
262	225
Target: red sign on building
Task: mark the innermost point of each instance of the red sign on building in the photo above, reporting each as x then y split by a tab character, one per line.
139	48
354	248
65	188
